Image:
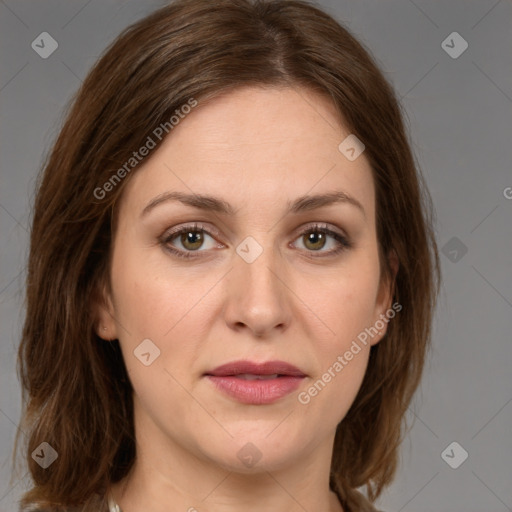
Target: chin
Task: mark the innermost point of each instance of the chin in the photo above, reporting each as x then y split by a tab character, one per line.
258	453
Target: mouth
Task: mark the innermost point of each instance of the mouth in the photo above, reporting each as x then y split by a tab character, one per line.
256	383
250	369
251	376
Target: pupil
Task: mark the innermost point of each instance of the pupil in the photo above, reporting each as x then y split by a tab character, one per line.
192	238
314	238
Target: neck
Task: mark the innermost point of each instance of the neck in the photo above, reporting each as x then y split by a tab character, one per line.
168	474
186	483
220	503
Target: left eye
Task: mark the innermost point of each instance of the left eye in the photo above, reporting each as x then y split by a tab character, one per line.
315	239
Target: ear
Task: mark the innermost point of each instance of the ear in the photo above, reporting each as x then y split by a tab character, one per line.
385	298
102	310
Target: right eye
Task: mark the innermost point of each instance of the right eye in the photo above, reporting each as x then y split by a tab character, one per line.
191	237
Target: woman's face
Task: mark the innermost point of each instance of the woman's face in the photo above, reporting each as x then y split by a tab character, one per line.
257	281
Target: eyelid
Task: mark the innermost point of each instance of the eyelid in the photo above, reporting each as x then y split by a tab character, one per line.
342	240
200	226
321	226
194	226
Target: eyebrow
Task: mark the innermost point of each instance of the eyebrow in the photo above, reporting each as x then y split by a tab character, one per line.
217	205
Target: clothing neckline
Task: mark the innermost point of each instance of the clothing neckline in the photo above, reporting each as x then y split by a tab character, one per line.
114	507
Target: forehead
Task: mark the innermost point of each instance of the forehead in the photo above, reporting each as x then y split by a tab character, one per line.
255	144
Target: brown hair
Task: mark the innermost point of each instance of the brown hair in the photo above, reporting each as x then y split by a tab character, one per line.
76	392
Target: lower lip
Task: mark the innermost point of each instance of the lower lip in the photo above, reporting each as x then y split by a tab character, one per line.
256	392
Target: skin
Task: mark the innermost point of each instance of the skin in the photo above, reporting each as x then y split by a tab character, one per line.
256	149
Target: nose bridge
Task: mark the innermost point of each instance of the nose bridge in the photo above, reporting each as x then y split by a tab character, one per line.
257	297
259	272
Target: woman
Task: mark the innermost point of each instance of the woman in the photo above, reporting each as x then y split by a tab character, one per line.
232	272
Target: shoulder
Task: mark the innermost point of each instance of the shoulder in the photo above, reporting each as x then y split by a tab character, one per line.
96	503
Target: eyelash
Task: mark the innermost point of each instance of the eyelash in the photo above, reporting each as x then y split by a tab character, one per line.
343	242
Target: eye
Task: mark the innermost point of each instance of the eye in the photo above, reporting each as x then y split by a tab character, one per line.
189	241
186	240
317	237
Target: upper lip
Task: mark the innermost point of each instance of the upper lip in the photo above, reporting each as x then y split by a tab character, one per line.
253	368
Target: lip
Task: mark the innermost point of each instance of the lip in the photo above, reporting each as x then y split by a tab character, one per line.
226	379
266	368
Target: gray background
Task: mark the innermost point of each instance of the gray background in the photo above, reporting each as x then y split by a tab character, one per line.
459	116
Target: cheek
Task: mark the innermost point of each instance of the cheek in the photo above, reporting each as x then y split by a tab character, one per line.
150	305
158	322
329	396
345	303
341	358
145	302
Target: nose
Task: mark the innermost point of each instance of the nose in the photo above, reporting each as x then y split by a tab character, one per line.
257	298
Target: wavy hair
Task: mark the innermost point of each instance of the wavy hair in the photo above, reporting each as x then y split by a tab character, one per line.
75	389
